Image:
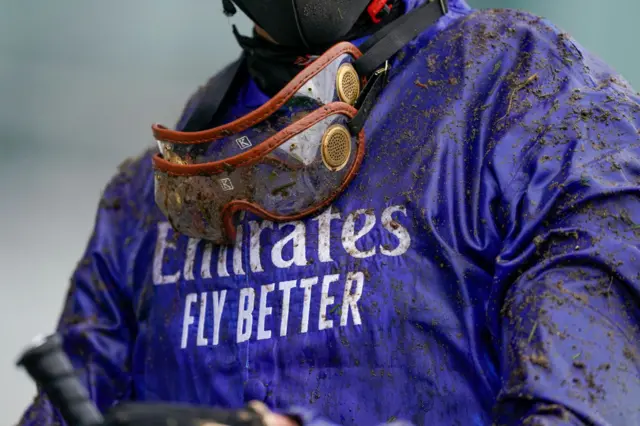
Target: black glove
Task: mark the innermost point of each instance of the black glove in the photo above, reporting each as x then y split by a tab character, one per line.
144	414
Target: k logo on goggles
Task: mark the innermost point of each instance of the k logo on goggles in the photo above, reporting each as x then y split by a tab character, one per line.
283	161
290	157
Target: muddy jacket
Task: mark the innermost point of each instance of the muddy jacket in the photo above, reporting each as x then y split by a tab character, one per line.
483	266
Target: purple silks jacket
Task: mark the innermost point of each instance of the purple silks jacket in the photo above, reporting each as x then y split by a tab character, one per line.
483	267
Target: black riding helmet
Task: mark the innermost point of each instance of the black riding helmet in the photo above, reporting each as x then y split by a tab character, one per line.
303	22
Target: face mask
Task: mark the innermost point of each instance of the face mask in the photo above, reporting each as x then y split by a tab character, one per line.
304	22
288	158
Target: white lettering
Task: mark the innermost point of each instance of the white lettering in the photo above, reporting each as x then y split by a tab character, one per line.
188	318
223	254
360	238
264	311
245	317
306	283
298	239
205	269
237	253
163	245
190	258
218	305
326	301
324	234
285	288
202	340
349	236
350	300
399	231
210	319
254	254
363	234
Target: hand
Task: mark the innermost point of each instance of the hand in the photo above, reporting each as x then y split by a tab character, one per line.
270	418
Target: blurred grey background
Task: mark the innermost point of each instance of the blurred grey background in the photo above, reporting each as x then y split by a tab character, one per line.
80	83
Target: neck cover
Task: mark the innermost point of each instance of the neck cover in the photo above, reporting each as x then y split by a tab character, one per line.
304	23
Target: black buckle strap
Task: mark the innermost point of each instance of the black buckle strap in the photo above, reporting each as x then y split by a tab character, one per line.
367	99
383	45
215	93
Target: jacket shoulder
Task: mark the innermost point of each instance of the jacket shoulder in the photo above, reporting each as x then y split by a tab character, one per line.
489	57
507	42
128	198
495	30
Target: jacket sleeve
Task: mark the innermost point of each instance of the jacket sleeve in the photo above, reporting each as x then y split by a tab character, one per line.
566	295
96	322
